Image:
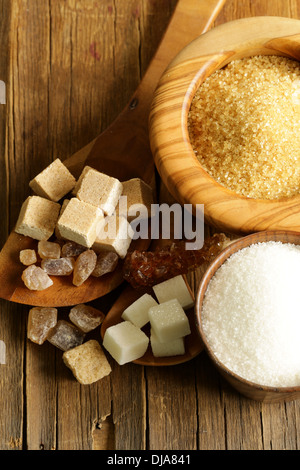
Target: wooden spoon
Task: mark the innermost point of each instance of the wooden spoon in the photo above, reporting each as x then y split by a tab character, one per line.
123	151
192	342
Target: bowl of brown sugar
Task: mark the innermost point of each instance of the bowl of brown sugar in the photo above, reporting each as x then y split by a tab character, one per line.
225	125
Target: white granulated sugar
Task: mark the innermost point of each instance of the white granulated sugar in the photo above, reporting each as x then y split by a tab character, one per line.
251	314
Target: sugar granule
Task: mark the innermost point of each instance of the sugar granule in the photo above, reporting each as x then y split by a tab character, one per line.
244	126
251	314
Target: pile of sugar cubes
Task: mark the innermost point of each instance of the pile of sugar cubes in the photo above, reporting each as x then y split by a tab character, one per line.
70	221
169	324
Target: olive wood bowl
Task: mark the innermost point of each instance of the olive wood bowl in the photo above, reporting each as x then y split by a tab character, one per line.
261	393
174	157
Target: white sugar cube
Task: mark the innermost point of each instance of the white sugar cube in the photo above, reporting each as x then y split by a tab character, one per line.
137	312
125	342
175	287
174	347
169	321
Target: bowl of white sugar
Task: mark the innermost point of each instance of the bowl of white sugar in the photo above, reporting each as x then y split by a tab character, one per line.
248	315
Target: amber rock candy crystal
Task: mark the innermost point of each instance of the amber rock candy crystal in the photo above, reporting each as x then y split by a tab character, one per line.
65	336
40	321
107	262
48	249
28	257
58	267
84	266
72	249
35	278
86	317
147	268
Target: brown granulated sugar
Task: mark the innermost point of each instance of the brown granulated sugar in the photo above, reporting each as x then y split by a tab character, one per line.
244	126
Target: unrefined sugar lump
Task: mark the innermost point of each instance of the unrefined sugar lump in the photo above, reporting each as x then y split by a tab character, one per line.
79	222
107	261
28	257
169	321
48	249
65	335
62	209
37	218
54	182
35	278
125	342
87	362
72	249
58	267
138	198
115	235
99	189
40	321
84	266
174	347
176	287
137	312
86	317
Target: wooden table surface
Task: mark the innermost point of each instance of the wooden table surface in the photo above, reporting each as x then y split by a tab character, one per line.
70	68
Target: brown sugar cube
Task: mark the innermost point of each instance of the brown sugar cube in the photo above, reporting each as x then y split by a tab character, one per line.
63	206
37	218
65	336
40	322
35	278
54	182
116	235
58	267
101	190
87	362
78	182
84	266
49	249
139	199
107	262
86	317
79	222
28	257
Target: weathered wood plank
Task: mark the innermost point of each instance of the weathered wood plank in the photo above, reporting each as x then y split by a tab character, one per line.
129	407
172	408
211	415
41	393
12	378
11	321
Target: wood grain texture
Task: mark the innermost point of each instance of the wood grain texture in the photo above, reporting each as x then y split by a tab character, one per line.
81	62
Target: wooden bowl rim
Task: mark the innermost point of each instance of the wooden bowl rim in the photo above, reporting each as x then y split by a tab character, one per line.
280	235
185	79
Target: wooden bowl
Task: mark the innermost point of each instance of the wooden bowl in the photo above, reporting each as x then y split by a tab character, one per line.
249	389
174	157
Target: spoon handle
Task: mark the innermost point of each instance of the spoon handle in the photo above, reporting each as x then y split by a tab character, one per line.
190	19
124	146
